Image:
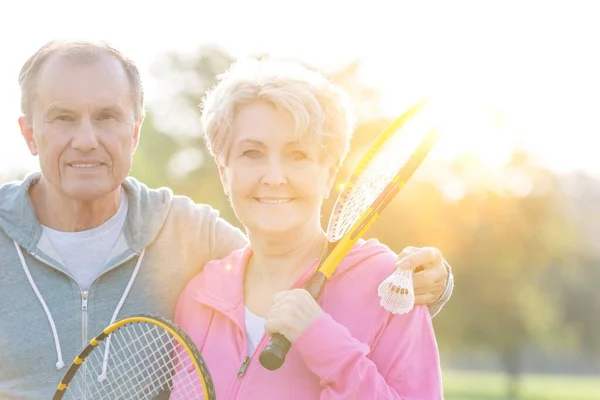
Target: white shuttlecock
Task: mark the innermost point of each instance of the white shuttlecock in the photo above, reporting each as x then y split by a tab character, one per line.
397	292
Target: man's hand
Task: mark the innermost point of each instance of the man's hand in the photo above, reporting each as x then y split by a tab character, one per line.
431	275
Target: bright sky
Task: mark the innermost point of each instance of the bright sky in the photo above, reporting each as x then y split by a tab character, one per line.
523	72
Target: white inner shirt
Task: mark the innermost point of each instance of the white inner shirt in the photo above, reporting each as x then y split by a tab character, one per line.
84	254
255	329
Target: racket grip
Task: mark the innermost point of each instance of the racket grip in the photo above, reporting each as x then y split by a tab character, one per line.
273	355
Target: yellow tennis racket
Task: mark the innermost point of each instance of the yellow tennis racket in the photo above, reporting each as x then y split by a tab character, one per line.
381	173
139	357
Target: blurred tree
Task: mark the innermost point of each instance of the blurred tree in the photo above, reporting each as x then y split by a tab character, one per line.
171	152
577	278
501	239
579	301
504	235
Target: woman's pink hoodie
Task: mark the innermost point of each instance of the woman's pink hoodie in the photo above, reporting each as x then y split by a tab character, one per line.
356	350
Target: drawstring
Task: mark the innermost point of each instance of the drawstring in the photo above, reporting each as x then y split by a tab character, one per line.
59	363
102	376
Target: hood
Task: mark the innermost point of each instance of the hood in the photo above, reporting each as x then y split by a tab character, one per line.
362	250
148	210
221	283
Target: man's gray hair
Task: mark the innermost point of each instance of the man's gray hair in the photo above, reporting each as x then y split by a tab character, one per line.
84	50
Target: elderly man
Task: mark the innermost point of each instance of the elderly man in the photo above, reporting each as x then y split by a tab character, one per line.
82	243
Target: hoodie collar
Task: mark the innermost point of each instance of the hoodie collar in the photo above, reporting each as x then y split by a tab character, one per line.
17	215
148	210
222	284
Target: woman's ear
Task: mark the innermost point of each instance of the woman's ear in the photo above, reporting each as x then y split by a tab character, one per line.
332	174
224	178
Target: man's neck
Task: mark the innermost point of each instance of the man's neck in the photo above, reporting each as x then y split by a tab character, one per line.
62	213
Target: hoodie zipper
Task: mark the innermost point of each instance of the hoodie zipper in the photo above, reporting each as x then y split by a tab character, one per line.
84	322
247	360
259	348
84	301
84	293
84	298
245	364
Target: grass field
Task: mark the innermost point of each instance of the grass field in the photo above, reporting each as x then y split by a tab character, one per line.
459	385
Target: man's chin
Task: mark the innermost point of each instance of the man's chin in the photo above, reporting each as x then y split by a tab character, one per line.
88	191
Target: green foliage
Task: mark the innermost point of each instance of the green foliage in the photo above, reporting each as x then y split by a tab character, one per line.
507	237
459	385
171	152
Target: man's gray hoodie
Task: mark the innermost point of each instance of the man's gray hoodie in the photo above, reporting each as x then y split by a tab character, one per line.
46	319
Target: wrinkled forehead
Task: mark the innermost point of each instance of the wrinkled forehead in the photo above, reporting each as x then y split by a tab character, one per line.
262	125
272	126
83	84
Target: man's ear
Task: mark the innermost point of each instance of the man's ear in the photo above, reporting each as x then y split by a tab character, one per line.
137	129
27	133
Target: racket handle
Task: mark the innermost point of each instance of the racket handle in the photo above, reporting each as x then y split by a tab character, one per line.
273	355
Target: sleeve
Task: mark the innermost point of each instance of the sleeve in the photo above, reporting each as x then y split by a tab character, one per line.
200	234
403	364
224	238
185	379
436	307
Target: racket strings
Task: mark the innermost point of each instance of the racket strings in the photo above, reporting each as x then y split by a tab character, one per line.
378	170
144	361
126	367
123	368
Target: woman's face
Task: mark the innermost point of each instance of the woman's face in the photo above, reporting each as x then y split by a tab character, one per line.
276	184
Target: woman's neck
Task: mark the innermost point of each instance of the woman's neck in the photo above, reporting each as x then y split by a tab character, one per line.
282	259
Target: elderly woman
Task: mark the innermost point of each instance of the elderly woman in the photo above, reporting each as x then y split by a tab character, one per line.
278	133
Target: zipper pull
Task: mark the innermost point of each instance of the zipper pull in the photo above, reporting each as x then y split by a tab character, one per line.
84	299
244	367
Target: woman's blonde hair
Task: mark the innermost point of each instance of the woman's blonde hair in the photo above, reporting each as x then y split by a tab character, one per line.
319	110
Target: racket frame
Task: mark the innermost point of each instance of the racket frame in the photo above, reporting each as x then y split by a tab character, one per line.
182	339
273	355
334	252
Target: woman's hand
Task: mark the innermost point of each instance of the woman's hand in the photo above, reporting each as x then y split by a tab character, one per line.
291	313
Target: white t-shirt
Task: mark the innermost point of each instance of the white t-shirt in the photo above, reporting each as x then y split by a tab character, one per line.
84	254
255	329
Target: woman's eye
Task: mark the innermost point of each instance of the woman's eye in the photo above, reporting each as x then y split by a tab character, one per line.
298	155
252	153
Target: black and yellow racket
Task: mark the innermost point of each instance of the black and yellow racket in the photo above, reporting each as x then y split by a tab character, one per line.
139	357
381	173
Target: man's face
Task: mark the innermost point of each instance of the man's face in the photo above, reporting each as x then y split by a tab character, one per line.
83	126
